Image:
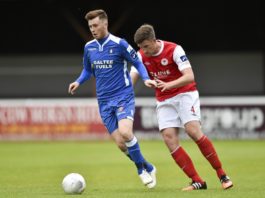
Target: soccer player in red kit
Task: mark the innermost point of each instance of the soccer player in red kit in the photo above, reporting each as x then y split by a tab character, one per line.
178	104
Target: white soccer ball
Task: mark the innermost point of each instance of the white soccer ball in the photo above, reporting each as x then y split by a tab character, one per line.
73	183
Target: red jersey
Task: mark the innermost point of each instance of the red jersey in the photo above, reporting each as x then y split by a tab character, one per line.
166	66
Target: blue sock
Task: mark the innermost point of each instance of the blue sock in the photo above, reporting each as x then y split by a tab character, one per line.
148	166
135	154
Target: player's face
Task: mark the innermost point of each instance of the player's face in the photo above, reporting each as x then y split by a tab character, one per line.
98	27
149	47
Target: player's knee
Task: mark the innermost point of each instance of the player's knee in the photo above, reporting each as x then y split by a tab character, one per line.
167	136
193	130
127	134
169	139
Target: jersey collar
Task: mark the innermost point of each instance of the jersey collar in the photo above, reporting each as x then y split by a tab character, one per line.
103	41
161	48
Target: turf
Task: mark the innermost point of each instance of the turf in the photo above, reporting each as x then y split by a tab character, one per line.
36	169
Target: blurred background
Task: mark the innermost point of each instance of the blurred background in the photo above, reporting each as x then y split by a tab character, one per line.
41	51
42	43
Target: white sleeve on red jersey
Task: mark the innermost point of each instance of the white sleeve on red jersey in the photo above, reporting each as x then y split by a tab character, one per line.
180	58
133	69
140	56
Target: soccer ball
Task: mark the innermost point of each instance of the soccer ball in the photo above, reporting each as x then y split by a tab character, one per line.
73	183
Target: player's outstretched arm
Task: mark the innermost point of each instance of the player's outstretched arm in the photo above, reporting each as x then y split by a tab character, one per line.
134	75
72	87
186	78
150	83
85	75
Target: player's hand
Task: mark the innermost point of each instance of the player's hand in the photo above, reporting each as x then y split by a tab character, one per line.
150	83
163	85
72	87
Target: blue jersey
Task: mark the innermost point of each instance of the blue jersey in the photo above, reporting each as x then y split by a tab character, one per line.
108	62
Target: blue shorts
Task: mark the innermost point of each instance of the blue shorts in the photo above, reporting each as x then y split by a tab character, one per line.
115	110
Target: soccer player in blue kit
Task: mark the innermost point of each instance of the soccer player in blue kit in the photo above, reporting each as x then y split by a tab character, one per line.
106	58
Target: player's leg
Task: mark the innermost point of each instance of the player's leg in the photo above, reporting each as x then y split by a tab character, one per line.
118	139
205	145
125	112
121	144
207	149
110	121
116	136
171	139
131	142
169	122
190	116
132	147
108	114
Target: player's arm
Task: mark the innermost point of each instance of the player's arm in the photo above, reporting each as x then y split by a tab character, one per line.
85	74
131	56
185	68
186	78
144	75
134	75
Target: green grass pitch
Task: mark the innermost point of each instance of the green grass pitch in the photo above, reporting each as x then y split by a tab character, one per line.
36	169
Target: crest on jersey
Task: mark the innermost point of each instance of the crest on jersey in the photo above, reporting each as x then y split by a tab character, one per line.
111	51
164	61
132	52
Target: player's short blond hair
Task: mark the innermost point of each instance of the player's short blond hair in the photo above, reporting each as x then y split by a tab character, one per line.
144	32
96	13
